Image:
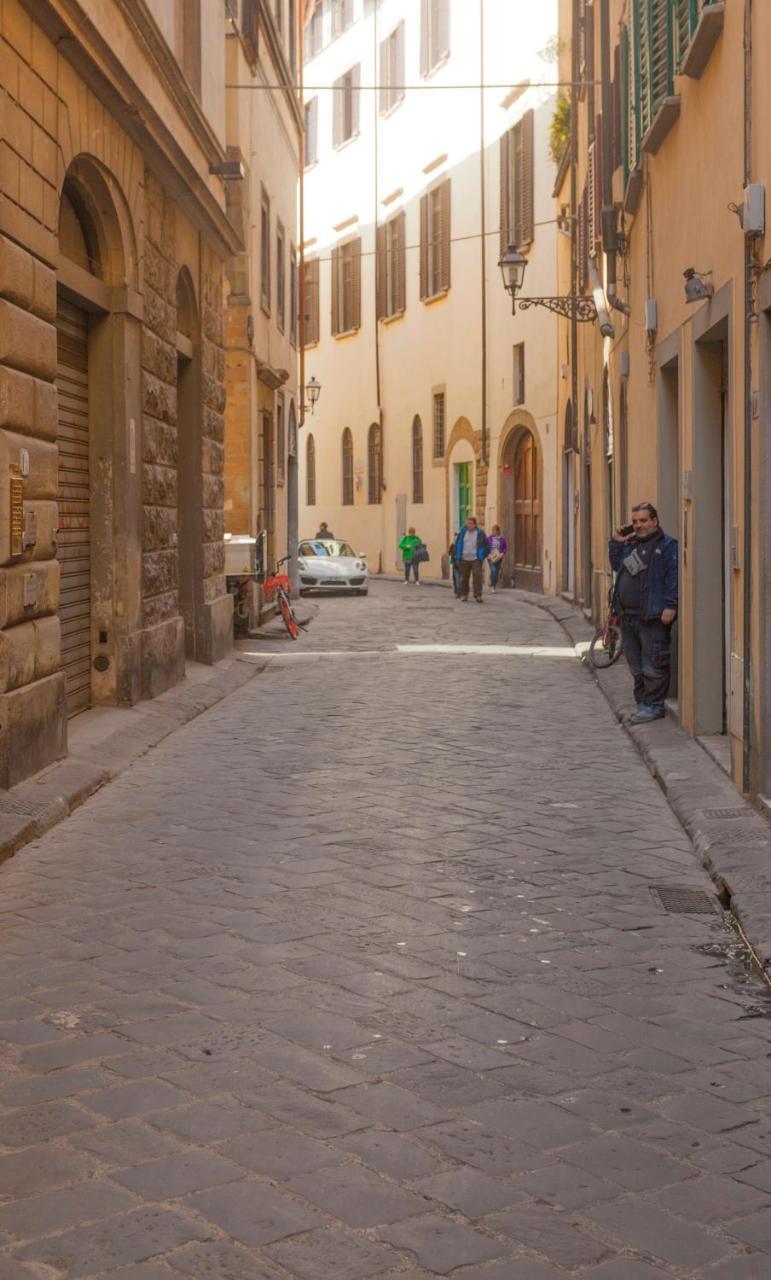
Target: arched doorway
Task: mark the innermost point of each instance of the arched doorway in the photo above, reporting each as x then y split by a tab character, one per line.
95	603
521	509
189	471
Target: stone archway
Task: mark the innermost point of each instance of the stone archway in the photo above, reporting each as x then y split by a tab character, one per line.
520	501
98	485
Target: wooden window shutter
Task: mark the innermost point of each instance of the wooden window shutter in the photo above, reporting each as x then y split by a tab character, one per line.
424	290
355	98
401	264
425	64
598	180
315	298
397	93
505	146
355	252
338	112
528	178
336	274
445	206
591	192
381	266
384	96
442	39
616	143
583	212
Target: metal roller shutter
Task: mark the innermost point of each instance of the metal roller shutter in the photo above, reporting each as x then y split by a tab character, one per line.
74	553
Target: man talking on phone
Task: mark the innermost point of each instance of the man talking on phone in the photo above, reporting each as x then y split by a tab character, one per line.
645	561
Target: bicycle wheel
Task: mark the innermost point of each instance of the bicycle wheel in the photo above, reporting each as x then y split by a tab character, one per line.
606	647
287	613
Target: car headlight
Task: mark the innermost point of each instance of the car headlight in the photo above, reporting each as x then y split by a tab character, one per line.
302	566
359	565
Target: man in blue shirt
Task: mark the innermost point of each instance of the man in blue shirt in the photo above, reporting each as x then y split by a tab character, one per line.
645	560
471	550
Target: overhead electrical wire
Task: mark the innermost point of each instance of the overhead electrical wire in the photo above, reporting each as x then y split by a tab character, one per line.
371	253
408	88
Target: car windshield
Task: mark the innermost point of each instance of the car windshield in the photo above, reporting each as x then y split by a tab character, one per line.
327	548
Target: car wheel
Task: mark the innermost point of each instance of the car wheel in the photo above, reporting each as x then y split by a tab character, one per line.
364	591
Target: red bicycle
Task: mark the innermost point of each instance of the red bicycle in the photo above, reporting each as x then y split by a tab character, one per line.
607	644
281	585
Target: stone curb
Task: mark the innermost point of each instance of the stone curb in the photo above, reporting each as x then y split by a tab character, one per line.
731	838
34	806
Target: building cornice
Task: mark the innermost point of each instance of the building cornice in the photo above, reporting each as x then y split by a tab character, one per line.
85	48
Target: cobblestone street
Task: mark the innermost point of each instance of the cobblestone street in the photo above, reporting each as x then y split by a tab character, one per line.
360	974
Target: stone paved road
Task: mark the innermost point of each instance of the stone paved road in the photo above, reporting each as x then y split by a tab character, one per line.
360	975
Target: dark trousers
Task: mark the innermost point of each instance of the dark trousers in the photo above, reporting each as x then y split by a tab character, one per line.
414	565
471	569
647	648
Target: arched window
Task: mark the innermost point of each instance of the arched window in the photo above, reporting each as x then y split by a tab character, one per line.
417	460
310	472
347	468
374	465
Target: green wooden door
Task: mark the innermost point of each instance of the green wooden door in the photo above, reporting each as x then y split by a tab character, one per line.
463	486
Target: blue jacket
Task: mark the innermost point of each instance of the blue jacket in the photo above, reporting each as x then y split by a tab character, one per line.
660	582
483	549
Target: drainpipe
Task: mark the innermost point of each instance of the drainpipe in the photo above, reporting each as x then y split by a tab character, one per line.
749	316
483	239
574	71
294	497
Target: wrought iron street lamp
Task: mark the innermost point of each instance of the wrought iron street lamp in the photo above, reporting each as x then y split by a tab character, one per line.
569	305
312	392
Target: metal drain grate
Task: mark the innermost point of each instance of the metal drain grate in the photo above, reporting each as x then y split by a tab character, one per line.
682	901
724	813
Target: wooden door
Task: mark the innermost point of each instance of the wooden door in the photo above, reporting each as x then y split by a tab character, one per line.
528	569
74	545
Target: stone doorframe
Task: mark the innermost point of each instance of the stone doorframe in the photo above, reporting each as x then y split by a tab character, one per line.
463	430
515	426
115	306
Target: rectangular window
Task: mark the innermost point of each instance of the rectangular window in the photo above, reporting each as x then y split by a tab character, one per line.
517	184
346	106
314	37
519	374
280	277
292	24
311	113
342	16
265	252
279	16
392	69
434	34
439	421
346	287
293	296
391	267
311	270
435	241
280	440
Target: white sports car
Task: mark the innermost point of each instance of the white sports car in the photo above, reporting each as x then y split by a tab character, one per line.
331	566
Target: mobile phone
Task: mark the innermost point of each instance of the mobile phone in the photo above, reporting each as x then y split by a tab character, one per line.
626	529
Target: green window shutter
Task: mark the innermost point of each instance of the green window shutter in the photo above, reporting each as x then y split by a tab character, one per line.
627	114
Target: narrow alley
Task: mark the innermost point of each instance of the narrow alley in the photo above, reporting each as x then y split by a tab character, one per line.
367	972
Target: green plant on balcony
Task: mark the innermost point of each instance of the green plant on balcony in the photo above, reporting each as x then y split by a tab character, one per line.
559	129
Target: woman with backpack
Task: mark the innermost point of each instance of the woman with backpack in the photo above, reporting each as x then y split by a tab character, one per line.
498	548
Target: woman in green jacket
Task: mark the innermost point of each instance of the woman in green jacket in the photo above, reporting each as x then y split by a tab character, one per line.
408	546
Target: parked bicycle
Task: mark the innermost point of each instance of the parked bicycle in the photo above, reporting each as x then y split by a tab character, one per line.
607	645
281	585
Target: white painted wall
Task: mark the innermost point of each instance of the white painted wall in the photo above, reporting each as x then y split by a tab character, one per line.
437	344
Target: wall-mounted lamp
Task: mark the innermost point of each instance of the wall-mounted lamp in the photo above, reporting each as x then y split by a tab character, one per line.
570	305
697	286
312	391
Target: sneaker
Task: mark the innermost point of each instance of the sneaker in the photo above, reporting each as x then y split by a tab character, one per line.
644	715
493	590
464	599
406	582
478	600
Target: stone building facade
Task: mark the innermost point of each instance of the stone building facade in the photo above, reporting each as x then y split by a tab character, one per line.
113	239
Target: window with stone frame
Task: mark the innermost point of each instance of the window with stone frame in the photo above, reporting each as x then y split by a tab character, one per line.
293	295
374	465
518	374
517	223
346	287
391	267
311	311
346	94
342	16
439	424
434	34
310	472
417	460
435	207
265	254
314	31
280	277
347	460
311	116
392	70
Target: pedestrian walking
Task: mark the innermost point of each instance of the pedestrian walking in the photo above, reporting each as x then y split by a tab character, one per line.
645	560
471	550
324	534
498	548
408	547
452	555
